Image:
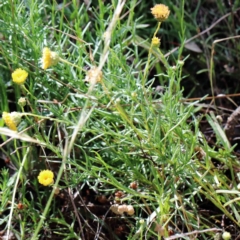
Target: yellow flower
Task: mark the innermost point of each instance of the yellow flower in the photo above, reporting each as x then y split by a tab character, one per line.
94	75
45	177
155	42
160	12
12	119
49	58
19	76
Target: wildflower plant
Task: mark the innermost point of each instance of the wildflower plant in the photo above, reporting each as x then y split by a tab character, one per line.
98	122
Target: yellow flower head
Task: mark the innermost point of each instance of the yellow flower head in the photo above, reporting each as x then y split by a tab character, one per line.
49	58
94	75
19	76
45	177
155	42
160	12
12	119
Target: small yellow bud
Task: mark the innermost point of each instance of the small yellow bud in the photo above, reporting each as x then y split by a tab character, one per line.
155	42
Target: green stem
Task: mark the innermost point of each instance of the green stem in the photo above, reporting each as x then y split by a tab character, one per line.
23	86
43	117
149	56
14	193
72	64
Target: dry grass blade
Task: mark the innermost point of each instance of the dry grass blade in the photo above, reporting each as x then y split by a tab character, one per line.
20	136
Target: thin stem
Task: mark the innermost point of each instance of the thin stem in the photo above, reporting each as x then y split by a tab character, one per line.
149	56
23	86
14	193
72	64
42	117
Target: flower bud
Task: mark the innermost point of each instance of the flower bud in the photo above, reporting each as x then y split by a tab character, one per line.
22	102
155	42
226	236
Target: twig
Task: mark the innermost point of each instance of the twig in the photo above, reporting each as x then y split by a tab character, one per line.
177	236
